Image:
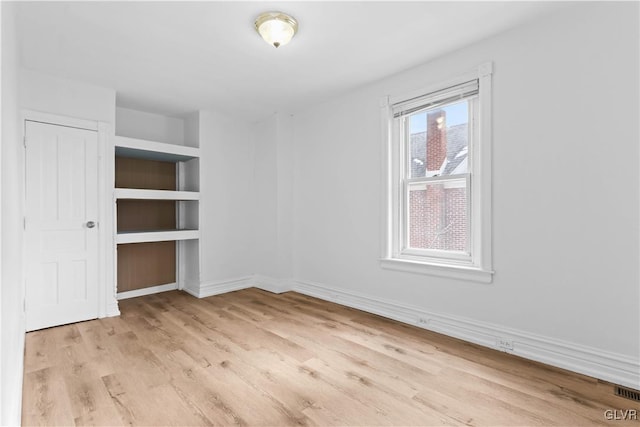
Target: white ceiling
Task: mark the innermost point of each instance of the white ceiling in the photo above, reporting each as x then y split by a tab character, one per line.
176	57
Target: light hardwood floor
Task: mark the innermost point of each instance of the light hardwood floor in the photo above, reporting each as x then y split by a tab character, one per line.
254	358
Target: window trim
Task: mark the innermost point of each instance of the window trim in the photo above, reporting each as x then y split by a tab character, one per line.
479	267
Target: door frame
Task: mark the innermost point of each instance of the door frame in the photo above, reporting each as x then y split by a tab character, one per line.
107	302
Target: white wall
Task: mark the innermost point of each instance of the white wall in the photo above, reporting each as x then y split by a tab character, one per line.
565	186
273	208
12	316
265	207
285	178
226	199
154	127
49	94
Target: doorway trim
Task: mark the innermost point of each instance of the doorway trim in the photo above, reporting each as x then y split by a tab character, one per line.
107	302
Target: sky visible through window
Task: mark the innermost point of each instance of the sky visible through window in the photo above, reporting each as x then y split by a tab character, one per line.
456	114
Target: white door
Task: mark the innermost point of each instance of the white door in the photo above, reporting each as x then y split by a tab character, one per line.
61	234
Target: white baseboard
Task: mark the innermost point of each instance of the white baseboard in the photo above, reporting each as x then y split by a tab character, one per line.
615	368
112	308
147	291
208	289
265	283
269	284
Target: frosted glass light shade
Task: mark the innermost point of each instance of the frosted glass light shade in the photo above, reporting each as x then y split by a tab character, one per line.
276	28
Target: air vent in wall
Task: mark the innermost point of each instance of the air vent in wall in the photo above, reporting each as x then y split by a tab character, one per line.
628	393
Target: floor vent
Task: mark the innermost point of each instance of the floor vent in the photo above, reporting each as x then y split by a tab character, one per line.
628	393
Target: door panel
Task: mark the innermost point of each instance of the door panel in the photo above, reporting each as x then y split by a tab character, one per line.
62	252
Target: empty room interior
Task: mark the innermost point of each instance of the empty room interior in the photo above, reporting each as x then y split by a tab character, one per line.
339	213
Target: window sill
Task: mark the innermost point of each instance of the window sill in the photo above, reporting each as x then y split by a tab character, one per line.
441	270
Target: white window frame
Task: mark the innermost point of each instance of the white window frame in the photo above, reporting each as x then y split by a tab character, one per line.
477	264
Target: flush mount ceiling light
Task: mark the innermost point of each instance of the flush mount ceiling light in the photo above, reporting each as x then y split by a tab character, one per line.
276	28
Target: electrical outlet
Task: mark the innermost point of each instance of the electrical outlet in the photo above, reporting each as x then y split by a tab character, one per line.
422	320
504	343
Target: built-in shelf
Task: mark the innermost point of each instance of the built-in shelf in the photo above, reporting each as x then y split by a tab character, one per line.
156	194
151	150
155	236
140	194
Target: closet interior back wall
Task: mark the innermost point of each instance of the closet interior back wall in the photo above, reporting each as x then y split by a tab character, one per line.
142	265
145	174
146	215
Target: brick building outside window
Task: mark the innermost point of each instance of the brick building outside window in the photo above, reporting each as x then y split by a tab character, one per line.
438	213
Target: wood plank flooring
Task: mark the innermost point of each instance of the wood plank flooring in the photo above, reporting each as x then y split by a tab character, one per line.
252	358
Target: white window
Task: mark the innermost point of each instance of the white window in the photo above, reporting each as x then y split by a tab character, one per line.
438	192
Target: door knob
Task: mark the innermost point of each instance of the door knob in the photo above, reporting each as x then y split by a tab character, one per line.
91	224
